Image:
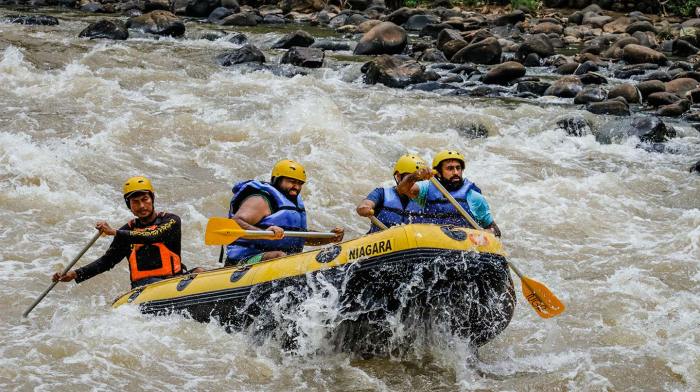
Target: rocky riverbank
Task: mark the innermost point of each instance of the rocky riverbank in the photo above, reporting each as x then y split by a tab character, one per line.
631	64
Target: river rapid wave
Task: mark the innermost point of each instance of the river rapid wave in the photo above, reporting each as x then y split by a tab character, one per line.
612	229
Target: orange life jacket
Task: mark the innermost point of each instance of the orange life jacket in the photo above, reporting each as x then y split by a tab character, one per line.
152	260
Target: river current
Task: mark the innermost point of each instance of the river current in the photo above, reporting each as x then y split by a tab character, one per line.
612	229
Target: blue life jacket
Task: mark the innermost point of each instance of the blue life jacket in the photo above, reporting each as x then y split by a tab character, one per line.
439	210
285	214
391	212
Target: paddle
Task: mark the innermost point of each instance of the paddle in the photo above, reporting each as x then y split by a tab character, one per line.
377	222
223	231
65	271
545	303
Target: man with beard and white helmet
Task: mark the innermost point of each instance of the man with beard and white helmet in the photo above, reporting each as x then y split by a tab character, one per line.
275	206
448	166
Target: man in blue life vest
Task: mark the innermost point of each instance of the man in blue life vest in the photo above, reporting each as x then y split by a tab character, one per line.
276	206
151	242
386	203
434	207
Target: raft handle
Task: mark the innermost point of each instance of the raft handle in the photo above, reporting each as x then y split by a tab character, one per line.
181	285
238	274
454	233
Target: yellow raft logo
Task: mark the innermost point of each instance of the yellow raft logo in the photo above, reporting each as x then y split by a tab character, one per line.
370	250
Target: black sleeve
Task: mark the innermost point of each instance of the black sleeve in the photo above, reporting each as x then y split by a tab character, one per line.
117	251
166	231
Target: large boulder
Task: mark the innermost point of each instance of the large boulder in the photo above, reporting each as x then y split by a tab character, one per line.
618	25
107	29
401	15
537	43
662	98
532	87
595	20
158	22
246	54
433	55
547	28
695	168
590	94
450	41
565	87
201	8
504	73
640	26
219	14
650	129
487	51
650	86
384	38
593	78
240	19
298	38
681	86
627	91
510	19
617	49
304	57
394	71
418	22
647	128
674	109
637	54
616	107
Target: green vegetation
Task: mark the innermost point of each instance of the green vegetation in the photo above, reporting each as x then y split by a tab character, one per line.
532	5
682	7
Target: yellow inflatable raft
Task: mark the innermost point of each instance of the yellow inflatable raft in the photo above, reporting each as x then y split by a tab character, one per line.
420	275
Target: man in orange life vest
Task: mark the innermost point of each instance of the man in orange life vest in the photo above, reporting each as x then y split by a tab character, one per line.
151	241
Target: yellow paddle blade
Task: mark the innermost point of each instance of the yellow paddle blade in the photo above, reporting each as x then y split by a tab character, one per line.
222	231
541	299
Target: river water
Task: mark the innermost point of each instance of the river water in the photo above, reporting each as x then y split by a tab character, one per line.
612	229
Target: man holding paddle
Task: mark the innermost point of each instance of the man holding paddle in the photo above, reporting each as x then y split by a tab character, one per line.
151	241
275	206
448	167
389	206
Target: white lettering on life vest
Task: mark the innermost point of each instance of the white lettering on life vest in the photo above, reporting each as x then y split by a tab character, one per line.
370	250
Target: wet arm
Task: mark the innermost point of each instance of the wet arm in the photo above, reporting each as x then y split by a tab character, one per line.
164	232
366	208
252	210
117	251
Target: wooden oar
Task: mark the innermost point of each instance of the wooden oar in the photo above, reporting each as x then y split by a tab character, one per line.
223	231
545	303
377	222
65	271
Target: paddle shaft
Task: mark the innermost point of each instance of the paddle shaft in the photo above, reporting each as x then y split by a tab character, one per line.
303	234
377	222
72	263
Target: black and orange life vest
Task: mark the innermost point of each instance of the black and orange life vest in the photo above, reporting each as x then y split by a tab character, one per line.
152	260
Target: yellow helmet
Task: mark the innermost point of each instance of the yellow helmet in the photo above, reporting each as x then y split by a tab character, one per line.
137	184
409	163
445	155
289	168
